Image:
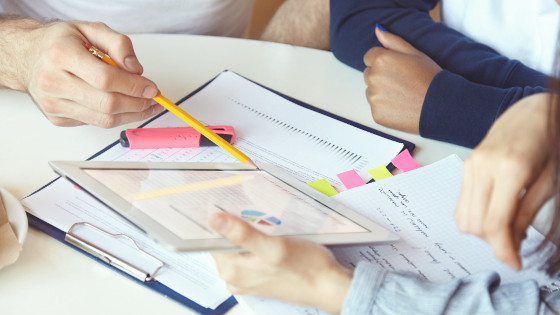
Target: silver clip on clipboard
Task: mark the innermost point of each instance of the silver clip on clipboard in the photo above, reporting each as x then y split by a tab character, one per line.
109	258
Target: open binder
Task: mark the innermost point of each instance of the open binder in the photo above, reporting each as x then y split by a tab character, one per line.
149	276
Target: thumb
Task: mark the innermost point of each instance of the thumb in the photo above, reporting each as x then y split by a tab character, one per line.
239	232
116	45
394	42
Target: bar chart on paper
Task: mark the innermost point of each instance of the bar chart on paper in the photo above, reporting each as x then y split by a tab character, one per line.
271	129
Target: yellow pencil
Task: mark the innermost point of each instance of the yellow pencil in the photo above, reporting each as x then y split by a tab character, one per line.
170	106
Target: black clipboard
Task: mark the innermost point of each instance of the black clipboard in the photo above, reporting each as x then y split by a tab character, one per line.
155	285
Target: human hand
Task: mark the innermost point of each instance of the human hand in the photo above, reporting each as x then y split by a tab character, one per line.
73	87
288	269
507	179
397	78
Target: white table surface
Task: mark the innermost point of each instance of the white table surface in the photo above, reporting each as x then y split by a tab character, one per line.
52	278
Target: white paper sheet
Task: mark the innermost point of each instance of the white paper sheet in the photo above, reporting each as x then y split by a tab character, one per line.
269	129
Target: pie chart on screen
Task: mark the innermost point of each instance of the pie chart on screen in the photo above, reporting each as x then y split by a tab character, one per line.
259	217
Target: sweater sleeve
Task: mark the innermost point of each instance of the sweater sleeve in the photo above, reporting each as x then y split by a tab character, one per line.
463	101
458	111
352	34
376	291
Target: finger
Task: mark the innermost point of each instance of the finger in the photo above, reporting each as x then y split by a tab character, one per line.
372	55
107	78
367	74
64	122
77	60
375	76
498	224
394	42
73	88
536	196
116	103
472	204
118	46
60	111
229	264
238	271
240	233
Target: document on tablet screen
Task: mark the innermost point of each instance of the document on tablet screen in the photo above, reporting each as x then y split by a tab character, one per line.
183	200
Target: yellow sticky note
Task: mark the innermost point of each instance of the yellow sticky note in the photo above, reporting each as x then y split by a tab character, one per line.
323	186
380	172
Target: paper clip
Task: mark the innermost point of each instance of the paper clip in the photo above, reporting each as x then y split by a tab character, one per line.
110	258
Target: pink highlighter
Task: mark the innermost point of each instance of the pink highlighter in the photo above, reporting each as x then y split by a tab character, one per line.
172	137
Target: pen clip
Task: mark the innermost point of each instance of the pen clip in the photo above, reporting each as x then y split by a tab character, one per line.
109	258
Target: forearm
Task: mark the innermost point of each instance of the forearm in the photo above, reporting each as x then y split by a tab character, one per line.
375	290
300	23
352	34
16	42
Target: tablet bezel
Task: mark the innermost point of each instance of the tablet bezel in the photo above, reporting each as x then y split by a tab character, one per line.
74	171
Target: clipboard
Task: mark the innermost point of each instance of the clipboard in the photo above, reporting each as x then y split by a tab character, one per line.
132	274
149	277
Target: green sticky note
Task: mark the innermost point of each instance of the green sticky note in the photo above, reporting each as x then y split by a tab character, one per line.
323	186
380	172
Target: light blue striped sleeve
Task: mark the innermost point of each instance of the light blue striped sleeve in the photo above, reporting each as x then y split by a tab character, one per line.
377	291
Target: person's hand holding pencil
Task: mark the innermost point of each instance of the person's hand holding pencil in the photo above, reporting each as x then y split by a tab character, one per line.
69	87
176	110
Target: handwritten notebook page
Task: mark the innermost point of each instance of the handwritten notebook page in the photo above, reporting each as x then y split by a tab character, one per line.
418	206
269	129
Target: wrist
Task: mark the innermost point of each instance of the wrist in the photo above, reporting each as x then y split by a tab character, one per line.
332	288
17	40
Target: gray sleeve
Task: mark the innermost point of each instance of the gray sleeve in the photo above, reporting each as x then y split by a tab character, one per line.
377	291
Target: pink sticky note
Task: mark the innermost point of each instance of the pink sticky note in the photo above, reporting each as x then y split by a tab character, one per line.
351	179
405	162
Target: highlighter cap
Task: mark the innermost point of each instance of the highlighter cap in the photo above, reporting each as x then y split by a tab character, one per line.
123	139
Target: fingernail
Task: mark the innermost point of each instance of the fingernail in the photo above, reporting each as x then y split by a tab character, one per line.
219	223
380	27
149	92
131	63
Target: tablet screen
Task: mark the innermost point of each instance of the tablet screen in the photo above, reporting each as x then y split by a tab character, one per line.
183	200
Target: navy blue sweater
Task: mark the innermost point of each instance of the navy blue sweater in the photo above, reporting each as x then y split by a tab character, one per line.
476	85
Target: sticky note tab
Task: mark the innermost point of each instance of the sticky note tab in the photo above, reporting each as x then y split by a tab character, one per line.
405	162
323	186
380	172
351	179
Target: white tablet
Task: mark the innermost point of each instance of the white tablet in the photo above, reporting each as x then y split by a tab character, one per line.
172	202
